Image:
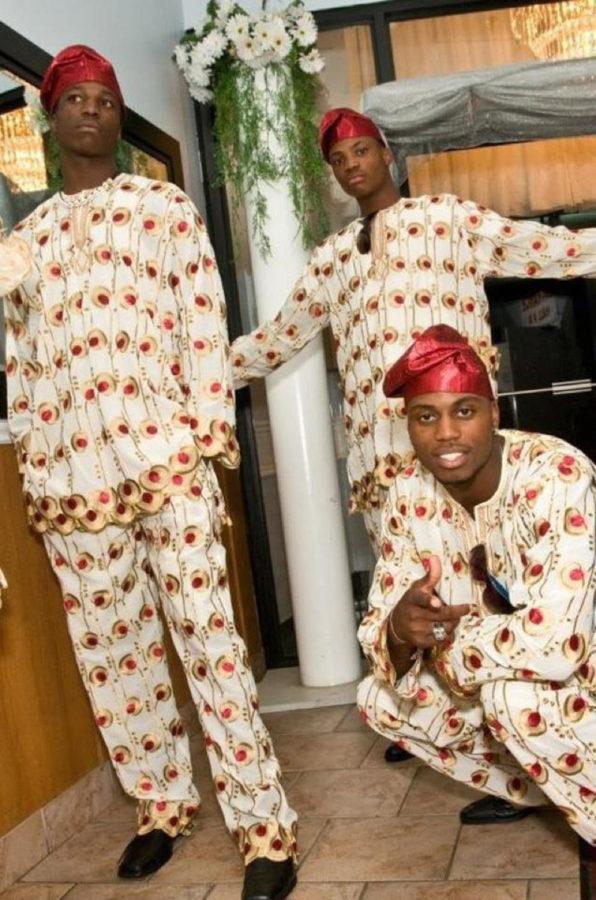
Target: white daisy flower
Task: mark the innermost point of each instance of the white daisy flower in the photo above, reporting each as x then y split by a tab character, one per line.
181	57
294	11
264	31
199	76
201	56
248	49
311	62
238	27
224	11
215	43
305	30
200	94
280	43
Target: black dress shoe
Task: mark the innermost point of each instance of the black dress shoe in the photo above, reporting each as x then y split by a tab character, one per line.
266	879
493	811
394	754
146	853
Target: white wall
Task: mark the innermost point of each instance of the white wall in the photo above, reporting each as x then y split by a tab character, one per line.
194	10
138	36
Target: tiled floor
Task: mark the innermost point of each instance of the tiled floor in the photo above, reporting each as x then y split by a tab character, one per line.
368	831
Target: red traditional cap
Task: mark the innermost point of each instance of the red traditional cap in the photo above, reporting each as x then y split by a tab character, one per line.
439	360
341	123
74	65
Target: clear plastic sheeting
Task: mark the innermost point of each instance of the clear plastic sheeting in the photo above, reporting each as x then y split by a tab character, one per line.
521	102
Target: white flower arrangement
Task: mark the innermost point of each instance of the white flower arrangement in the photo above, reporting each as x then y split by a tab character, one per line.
260	74
257	41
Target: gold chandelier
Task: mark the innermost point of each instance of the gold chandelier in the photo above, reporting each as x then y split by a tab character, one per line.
564	30
21	152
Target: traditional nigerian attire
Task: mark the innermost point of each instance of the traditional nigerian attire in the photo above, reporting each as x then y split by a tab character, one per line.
120	396
429	258
342	123
508	706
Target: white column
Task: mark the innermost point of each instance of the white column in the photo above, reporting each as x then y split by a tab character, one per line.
308	485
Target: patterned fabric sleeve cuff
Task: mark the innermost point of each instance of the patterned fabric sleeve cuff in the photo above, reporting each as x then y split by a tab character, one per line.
406	686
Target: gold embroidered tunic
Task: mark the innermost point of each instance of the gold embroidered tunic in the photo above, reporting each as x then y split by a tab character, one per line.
117	355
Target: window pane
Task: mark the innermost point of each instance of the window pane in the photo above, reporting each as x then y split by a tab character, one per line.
480	40
515	179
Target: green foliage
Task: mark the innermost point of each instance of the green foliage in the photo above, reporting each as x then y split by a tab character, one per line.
246	117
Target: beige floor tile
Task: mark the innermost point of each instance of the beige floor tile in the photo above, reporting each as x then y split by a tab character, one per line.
454	890
351	792
319	720
70	812
540	846
123	811
301	892
21	849
352	721
322	751
309	829
144	891
209	854
434	794
35	891
408	848
91	855
555	888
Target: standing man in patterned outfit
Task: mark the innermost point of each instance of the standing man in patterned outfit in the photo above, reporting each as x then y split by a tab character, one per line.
120	398
480	632
380	281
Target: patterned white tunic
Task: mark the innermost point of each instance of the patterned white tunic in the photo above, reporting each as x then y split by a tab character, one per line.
430	256
117	355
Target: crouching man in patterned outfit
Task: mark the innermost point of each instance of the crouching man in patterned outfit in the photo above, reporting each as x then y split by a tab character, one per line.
480	632
120	397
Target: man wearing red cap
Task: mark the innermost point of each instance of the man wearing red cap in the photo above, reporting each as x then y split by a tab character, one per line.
120	397
480	633
407	264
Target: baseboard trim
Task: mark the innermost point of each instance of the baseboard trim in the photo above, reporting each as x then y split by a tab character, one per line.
45	830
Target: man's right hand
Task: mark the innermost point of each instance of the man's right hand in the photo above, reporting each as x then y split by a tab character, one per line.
420	607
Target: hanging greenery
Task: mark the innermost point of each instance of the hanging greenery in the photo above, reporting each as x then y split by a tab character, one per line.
260	73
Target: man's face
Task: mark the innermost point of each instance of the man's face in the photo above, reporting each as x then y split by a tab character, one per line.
87	120
360	165
453	435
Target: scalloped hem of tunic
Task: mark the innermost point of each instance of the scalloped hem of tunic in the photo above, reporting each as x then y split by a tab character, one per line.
130	500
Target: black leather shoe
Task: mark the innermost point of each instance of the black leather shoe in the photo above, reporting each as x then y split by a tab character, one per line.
493	811
394	754
266	879
146	853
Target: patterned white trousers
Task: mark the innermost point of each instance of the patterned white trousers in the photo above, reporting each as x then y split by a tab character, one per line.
524	741
113	583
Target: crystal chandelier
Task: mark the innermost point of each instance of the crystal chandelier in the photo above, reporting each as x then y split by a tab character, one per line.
564	30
